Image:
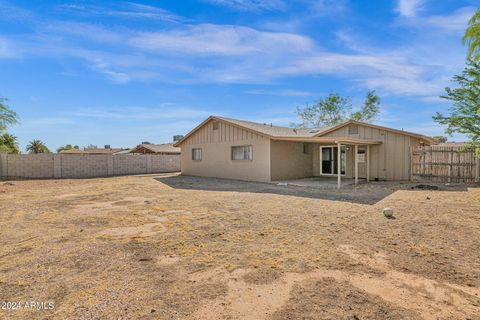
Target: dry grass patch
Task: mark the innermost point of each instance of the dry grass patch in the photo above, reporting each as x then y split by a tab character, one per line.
136	247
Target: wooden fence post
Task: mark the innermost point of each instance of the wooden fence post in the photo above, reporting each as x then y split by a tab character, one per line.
411	163
450	160
477	171
3	165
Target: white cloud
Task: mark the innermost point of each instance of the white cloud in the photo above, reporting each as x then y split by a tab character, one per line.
392	73
115	76
456	21
250	5
207	39
186	53
409	8
128	10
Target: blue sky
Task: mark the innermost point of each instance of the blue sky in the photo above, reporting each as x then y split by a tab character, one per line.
113	72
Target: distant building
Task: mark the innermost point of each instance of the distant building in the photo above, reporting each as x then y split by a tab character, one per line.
106	150
167	148
178	137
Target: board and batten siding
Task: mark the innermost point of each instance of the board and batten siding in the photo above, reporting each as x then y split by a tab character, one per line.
216	148
390	160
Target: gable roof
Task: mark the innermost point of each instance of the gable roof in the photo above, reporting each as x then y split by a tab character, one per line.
264	129
346	123
156	148
275	132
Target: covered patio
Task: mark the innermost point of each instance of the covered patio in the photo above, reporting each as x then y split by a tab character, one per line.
333	160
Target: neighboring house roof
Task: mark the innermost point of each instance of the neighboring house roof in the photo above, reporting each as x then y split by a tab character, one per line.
73	151
102	150
92	151
155	148
277	132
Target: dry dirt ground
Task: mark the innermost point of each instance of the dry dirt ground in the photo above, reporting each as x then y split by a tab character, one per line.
191	248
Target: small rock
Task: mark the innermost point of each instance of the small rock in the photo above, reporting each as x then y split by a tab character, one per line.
387	212
428	198
152	311
9	184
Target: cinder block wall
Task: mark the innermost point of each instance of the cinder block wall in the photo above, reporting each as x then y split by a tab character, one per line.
13	166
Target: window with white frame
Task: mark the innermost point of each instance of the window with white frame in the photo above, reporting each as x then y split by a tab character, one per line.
197	154
242	153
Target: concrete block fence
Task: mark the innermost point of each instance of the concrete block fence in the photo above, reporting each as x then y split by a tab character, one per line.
21	166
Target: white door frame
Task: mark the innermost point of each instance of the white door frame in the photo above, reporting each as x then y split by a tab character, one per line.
331	147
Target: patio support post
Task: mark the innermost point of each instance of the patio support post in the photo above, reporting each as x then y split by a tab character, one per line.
368	163
339	165
356	164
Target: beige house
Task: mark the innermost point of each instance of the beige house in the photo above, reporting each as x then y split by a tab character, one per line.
236	149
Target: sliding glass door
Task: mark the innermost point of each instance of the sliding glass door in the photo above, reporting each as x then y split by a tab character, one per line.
329	160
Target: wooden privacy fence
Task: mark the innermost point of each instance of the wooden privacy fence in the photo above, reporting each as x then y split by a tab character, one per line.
445	164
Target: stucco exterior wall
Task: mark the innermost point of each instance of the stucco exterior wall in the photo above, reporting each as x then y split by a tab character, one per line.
389	160
216	153
288	161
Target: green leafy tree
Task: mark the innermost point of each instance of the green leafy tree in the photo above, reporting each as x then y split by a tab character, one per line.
464	115
9	143
370	109
472	36
65	147
7	115
440	139
336	109
37	146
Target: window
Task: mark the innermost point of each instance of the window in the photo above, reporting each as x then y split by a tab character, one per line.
306	148
353	129
215	125
197	154
242	153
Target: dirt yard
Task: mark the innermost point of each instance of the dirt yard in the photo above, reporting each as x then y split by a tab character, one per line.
178	247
